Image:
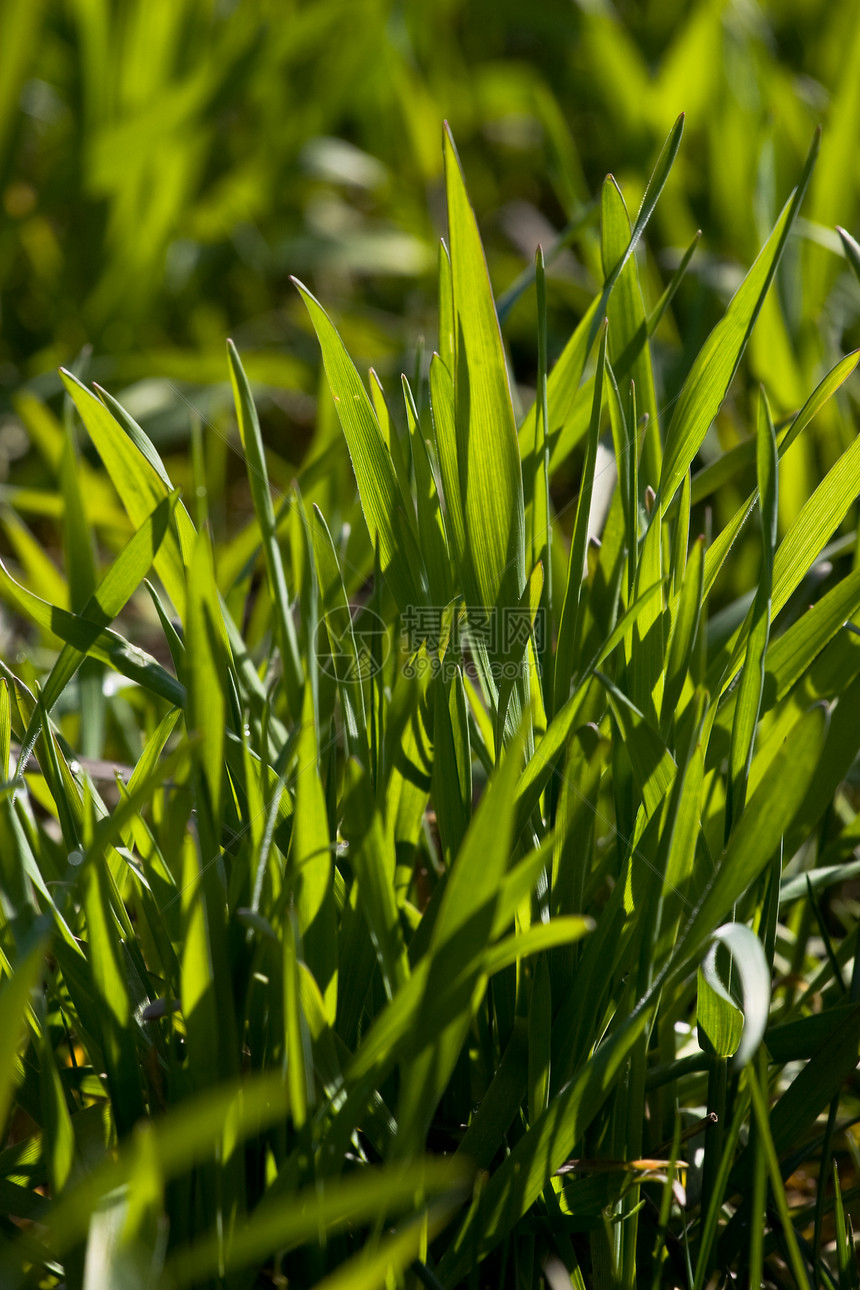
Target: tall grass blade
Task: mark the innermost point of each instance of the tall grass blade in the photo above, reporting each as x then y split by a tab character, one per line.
371	459
571	612
490	480
258	477
141	481
751	686
711	374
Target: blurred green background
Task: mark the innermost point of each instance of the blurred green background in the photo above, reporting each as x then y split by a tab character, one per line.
165	165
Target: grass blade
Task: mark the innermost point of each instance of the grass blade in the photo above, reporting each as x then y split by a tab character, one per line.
371	460
569	628
752	677
819	518
720	548
628	343
258	477
141	481
488	456
768	815
445	429
311	868
14	1006
711	375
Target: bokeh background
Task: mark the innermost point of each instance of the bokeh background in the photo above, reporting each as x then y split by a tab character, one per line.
166	165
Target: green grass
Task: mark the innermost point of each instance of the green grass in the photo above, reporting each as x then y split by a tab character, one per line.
472	904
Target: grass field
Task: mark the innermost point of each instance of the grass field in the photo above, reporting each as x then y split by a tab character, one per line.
431	803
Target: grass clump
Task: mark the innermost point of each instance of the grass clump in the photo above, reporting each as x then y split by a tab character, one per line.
471	909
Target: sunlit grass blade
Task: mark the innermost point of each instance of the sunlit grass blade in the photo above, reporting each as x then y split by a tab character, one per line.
681	536
341	1203
821	515
490	479
150	772
178	1140
725	467
400	456
371	459
374	1267
432	533
623	417
521	1178
409	754
656	184
535	939
752	677
14	1004
840	748
58	1130
754	979
114	1003
622	629
208	1017
445	428
310	866
540	765
845	1246
252	442
114	590
447	329
80	563
540	1029
628	350
652	762
759	1103
207	671
139	477
711	374
828	196
852	250
686	617
767	816
519	649
452	764
5	730
37	566
719	549
569	627
565	378
792	653
462	928
336	635
541	512
373	859
86	638
646	651
296	1042
656	314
